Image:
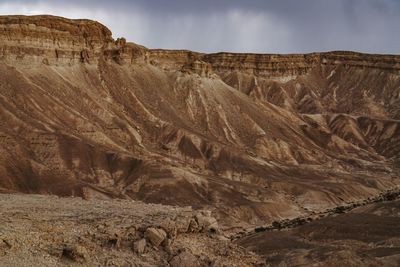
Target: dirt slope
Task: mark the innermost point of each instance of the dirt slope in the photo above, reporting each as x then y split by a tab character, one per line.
367	236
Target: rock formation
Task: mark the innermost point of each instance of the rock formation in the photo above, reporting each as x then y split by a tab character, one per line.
254	138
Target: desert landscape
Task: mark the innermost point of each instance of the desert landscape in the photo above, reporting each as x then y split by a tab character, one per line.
114	154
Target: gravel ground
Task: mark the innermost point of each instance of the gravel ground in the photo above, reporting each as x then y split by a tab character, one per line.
37	230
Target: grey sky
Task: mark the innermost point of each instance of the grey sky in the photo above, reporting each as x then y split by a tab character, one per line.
270	26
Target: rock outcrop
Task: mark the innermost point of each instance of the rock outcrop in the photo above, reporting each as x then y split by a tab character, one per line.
155	236
48	39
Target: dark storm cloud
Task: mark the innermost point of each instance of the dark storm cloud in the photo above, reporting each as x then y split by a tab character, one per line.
282	26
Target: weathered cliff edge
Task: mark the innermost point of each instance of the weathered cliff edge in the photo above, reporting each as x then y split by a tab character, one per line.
55	40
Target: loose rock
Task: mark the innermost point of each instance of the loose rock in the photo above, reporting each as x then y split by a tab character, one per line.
182	224
207	222
155	235
139	246
169	226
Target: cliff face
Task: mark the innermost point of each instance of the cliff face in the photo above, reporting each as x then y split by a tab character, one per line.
255	137
46	39
50	38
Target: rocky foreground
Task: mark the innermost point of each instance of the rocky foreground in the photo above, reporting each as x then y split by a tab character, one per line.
40	230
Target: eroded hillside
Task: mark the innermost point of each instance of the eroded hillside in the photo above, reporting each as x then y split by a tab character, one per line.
252	137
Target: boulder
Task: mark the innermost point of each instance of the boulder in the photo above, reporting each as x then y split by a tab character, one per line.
206	221
182	224
170	228
194	226
155	236
139	246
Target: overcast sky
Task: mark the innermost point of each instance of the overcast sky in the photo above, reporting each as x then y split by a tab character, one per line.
270	26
